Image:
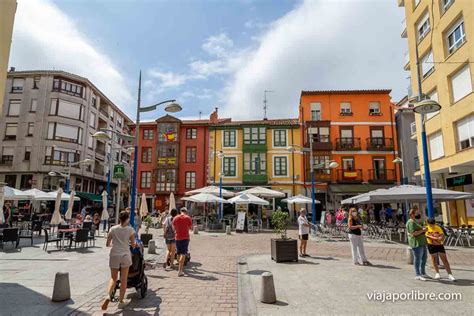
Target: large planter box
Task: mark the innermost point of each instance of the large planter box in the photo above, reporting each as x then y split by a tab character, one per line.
284	250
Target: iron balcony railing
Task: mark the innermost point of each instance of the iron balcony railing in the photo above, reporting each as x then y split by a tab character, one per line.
349	176
379	143
382	176
348	143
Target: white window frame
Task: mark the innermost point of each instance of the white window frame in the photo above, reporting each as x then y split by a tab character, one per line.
274	138
468	127
433	95
236	166
452	32
11	129
436	145
145	181
466	88
427	65
30	129
92	120
345	108
423	23
14	108
445	4
374	108
316	111
235	138
286	175
190	180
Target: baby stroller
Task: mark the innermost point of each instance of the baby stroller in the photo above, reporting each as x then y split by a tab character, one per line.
136	273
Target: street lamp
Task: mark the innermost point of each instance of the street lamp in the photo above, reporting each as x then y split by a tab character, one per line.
330	164
67	175
221	157
172	107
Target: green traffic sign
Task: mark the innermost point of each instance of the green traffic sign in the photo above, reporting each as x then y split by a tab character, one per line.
119	171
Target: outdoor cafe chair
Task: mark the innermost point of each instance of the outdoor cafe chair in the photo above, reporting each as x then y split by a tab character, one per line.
82	236
10	235
26	233
87	225
37	226
48	239
91	236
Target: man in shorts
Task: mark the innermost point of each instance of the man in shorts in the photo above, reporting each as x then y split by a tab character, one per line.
303	232
182	223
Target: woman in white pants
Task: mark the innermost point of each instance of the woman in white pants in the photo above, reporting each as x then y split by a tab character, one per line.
355	237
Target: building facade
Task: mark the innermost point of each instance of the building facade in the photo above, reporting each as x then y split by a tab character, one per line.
354	128
443	32
47	123
7	18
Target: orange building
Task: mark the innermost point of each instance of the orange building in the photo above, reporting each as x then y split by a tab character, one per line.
356	129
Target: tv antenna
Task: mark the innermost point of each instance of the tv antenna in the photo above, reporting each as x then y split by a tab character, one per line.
265	103
200	113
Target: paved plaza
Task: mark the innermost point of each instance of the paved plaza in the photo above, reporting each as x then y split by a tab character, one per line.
211	284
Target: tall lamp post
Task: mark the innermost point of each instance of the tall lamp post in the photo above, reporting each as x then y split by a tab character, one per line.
221	157
67	175
330	165
424	106
103	134
172	107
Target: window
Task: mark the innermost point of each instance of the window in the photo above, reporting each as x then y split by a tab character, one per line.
167	132
167	151
465	129
348	163
112	114
455	37
413	127
445	4
27	154
148	134
190	154
166	180
68	87
229	138
26	181
66	109
146	154
423	26
34	105
279	138
92	120
319	134
319	160
17	86
376	133
7	156
66	133
36	81
119	121
374	108
280	166
145	179
190	180
255	135
10	180
346	108
90	141
11	131
14	108
229	166
427	65
461	83
61	156
346	133
255	163
191	133
433	96
316	111
94	102
31	129
436	146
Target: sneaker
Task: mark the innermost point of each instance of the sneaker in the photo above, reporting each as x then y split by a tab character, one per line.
123	304
105	304
180	274
420	278
451	278
437	276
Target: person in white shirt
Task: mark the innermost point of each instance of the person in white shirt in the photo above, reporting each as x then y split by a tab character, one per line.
303	232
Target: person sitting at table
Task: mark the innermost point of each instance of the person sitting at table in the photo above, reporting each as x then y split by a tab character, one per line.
7	213
96	221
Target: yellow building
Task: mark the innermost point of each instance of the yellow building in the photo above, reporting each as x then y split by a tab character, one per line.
7	16
444	33
255	153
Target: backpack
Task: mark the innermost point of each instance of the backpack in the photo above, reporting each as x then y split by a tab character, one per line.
169	232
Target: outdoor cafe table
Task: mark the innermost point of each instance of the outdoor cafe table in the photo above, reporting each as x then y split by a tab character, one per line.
64	231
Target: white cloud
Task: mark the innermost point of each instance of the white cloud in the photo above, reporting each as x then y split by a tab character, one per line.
319	45
217	45
46	38
167	78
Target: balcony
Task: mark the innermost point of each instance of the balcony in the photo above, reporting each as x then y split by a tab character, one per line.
348	143
103	112
254	147
254	178
321	142
6	160
382	176
379	143
320	175
406	65
349	176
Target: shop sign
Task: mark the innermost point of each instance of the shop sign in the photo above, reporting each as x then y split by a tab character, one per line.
465	179
119	171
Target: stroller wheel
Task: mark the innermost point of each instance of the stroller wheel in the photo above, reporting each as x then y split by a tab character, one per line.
144	287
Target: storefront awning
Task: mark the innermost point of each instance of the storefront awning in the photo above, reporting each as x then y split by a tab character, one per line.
347	189
90	196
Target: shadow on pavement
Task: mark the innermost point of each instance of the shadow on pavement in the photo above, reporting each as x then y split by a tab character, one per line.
383	266
323	258
459	282
256	272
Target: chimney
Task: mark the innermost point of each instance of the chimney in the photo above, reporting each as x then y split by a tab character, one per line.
12	69
214	118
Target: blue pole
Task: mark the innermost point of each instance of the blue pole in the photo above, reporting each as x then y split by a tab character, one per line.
313	202
108	178
426	167
220	195
135	156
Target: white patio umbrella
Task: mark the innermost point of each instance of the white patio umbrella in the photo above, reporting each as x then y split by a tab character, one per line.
2	200
172	204
214	190
56	220
263	192
68	214
105	214
204	198
299	199
38	195
12	194
64	196
143	206
248	198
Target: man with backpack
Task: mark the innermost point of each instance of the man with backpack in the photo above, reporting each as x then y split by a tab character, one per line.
182	223
169	236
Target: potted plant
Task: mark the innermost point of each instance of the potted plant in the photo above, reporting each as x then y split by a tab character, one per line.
283	248
146	237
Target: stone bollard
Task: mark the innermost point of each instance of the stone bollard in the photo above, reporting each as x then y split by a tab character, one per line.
195	230
152	247
61	290
227	230
267	293
409	253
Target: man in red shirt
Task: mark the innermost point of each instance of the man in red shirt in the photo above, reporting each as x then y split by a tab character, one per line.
182	223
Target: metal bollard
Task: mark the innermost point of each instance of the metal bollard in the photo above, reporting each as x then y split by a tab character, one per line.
227	230
61	290
195	230
267	292
409	254
152	247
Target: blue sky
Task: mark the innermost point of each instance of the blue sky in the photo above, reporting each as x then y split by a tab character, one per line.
216	53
